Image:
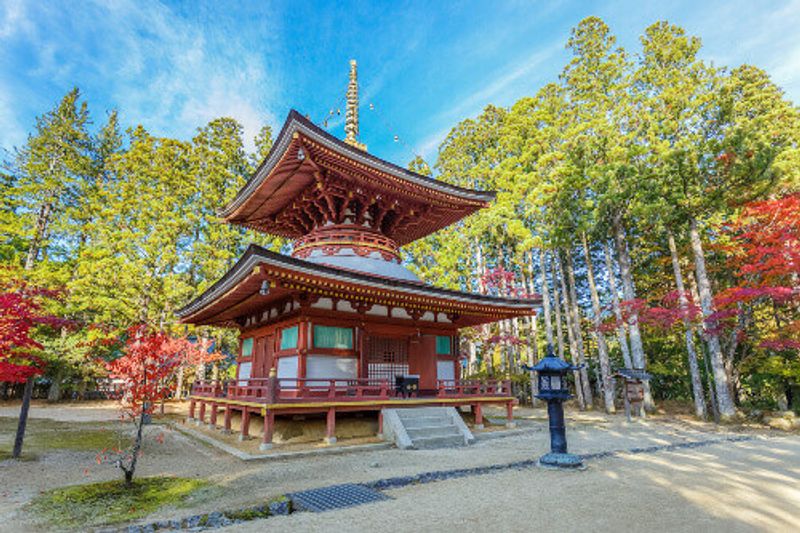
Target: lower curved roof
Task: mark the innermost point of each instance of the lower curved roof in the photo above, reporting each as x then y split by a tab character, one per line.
239	292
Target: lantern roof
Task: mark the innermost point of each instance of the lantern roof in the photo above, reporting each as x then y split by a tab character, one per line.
552	363
633	374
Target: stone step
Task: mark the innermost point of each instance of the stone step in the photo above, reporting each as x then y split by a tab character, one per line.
435	431
425	421
426	427
427	443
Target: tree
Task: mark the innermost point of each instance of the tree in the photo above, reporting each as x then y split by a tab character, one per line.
146	369
21	312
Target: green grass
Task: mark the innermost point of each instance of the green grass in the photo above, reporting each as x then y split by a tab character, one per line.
110	502
43	435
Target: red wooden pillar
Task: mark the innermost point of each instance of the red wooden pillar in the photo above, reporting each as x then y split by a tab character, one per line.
330	430
478	408
214	409
228	413
202	416
269	426
245	429
510	415
191	409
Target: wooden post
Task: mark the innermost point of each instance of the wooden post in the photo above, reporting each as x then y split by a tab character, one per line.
228	412
244	433
191	410
510	415
330	430
212	423
478	416
272	386
202	416
269	426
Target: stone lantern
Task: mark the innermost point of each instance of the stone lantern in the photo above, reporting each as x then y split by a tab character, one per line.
553	388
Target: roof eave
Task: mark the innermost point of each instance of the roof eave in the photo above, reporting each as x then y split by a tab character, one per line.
295	123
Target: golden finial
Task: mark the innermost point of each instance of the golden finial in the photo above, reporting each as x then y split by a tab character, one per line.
351	116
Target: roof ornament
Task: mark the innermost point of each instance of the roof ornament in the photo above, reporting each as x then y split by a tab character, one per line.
351	116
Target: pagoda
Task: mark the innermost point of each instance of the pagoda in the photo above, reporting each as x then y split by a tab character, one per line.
341	324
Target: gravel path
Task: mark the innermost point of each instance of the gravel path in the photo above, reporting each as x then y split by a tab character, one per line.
248	483
730	487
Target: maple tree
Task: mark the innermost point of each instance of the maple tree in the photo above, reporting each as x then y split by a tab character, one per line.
21	312
146	371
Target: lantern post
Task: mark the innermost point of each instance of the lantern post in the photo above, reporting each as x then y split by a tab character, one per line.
553	388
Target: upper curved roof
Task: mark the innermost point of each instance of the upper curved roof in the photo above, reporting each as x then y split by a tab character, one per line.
304	153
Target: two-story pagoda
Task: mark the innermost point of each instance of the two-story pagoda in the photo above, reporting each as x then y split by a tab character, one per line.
330	327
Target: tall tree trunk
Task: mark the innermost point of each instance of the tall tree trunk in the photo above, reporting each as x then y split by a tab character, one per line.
54	392
557	309
602	348
622	336
42	223
683	302
548	324
487	356
23	418
576	324
626	273
724	399
573	345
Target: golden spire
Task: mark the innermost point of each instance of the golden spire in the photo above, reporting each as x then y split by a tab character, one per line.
351	116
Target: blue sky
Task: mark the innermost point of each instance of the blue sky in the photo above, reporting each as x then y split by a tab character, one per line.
173	66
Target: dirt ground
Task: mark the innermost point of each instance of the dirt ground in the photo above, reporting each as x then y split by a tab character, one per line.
742	486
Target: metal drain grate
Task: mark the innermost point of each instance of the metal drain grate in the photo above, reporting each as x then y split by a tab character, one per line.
335	497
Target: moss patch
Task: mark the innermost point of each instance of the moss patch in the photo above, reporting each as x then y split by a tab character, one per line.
110	502
46	435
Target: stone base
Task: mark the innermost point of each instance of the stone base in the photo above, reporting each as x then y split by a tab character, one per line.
330	440
511	425
197	422
211	426
242	438
226	431
477	426
264	446
560	460
189	419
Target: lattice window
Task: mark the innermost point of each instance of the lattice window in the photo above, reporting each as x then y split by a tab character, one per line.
386	357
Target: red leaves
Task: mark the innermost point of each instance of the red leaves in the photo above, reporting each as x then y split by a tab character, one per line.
20	313
150	361
504	282
662	316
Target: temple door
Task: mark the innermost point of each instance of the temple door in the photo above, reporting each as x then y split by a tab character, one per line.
262	360
386	357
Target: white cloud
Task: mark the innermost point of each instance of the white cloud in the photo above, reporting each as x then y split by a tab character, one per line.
170	74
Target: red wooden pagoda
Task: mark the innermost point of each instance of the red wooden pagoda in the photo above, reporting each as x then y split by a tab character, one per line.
330	327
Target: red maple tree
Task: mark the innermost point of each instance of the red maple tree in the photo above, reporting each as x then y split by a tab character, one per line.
145	373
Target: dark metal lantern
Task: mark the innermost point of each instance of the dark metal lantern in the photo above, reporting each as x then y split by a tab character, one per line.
552	373
553	388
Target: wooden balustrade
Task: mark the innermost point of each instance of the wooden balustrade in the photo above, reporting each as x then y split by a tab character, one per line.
280	390
460	388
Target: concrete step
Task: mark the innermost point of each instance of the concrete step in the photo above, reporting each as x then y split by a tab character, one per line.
426	427
436	431
425	421
439	442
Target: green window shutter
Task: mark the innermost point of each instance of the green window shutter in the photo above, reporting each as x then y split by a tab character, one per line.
247	347
333	337
289	338
443	345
